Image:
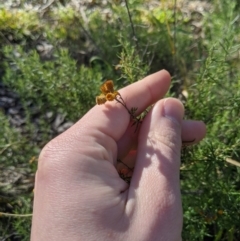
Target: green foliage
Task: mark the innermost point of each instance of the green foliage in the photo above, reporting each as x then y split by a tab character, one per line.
20	222
23	224
53	85
14	148
15	151
201	50
15	29
131	66
65	22
210	184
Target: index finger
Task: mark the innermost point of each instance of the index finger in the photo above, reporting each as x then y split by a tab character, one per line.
105	124
112	119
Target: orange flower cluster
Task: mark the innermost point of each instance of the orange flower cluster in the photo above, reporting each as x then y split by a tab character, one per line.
108	93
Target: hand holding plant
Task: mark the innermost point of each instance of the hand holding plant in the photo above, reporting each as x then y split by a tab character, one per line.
79	194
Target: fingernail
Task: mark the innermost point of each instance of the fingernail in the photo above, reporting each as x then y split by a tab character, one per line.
173	110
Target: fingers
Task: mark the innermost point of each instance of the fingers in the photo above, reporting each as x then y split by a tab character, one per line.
192	133
155	181
95	135
112	118
105	124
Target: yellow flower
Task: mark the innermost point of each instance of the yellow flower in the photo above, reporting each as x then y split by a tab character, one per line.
110	97
108	93
107	87
101	99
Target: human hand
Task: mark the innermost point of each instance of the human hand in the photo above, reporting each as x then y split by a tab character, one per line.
78	192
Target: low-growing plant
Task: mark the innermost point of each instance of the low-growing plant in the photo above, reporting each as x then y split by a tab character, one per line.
210	184
53	85
16	162
114	41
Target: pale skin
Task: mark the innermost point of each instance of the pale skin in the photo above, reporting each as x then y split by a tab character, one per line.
78	192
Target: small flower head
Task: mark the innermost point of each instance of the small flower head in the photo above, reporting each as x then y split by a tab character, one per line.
110	96
108	93
107	87
101	99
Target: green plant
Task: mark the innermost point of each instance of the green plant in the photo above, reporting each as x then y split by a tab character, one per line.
210	185
200	48
53	85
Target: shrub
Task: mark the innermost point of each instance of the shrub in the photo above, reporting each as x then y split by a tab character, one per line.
199	47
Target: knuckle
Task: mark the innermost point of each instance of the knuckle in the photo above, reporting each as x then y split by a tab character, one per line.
49	156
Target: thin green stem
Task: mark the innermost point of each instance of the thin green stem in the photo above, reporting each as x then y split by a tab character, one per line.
15	215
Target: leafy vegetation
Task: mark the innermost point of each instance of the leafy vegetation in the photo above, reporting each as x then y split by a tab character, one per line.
55	59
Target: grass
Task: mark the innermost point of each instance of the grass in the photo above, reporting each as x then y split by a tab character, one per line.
198	45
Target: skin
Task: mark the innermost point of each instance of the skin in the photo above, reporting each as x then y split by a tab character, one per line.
78	192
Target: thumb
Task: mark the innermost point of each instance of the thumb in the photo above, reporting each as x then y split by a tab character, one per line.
155	182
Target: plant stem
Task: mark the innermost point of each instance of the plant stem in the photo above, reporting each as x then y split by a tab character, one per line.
15	215
134	37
